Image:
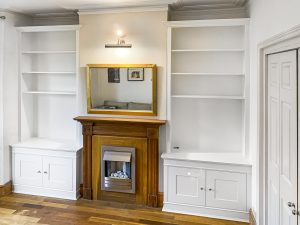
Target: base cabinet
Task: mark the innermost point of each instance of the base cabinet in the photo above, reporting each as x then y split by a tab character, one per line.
50	173
207	189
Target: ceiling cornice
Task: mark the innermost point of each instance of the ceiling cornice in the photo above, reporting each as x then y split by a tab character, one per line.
57	14
11	12
123	10
189	5
208	14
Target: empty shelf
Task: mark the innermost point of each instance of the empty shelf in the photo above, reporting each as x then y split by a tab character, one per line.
207	50
51	92
208	96
208	74
48	52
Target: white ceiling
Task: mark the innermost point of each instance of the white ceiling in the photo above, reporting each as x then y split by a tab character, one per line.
47	6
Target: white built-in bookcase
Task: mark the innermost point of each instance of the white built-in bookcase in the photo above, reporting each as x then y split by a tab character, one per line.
49	69
208	83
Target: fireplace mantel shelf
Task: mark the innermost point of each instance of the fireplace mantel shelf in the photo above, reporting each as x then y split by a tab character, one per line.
142	134
119	120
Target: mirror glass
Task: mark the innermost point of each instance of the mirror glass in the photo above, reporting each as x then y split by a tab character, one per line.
121	89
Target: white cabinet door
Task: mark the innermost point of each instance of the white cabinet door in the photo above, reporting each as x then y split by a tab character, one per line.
28	170
226	190
58	173
186	186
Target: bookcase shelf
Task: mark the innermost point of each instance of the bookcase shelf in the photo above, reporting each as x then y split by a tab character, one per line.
49	52
209	97
47	72
207	50
50	92
208	74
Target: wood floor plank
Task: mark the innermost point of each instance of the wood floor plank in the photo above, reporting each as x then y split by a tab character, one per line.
6	211
205	220
112	221
17	219
34	202
29	210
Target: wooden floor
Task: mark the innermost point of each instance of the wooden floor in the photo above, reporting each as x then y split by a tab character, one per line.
16	209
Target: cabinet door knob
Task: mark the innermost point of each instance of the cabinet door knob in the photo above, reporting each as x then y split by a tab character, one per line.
202	188
45	172
39	171
210	189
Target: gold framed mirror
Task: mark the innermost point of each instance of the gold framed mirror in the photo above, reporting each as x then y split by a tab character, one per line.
122	89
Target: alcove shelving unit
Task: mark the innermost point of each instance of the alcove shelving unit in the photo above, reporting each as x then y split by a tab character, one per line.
208	86
48	82
207	112
48	150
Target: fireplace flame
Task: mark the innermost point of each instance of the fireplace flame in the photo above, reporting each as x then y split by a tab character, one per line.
119	175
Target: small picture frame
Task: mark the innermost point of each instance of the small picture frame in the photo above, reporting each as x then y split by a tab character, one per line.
135	74
113	75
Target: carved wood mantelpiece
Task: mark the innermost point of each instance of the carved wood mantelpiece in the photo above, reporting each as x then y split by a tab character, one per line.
144	133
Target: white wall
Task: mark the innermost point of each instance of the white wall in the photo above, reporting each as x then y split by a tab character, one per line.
148	36
9	90
268	18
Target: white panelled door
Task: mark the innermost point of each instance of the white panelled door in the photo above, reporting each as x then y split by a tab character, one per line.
282	138
1	101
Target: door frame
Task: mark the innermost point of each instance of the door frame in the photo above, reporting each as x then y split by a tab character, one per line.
284	41
1	101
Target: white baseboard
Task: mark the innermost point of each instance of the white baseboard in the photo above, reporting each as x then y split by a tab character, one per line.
70	195
206	212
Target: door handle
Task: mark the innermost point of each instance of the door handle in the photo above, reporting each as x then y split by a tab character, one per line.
295	212
291	205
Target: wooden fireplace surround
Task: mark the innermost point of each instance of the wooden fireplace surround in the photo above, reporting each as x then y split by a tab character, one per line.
102	128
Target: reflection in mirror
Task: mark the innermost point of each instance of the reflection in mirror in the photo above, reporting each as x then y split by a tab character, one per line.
122	89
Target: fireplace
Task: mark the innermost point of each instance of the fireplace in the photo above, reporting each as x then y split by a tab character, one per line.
118	169
140	134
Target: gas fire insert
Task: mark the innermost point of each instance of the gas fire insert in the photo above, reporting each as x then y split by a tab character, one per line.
118	169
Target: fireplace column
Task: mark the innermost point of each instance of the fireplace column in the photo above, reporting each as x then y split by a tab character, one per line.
153	136
87	132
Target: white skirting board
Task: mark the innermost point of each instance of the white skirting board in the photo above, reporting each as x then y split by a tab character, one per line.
206	212
21	189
